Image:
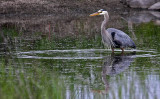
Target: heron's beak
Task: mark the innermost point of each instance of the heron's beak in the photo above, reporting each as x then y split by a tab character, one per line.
94	14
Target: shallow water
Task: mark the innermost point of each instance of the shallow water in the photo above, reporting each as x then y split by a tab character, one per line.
72	47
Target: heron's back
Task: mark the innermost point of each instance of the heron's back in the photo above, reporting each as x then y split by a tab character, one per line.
121	38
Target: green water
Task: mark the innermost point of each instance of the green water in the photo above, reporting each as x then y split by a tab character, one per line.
65	59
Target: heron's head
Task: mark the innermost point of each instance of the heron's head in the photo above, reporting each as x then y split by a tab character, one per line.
99	12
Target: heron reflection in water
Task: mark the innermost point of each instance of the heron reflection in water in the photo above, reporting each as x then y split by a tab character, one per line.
115	64
113	38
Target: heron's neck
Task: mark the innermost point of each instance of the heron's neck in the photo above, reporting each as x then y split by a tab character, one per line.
104	23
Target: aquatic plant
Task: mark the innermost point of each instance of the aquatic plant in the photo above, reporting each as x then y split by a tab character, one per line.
22	82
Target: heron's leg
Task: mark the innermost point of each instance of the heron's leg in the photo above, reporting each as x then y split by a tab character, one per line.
112	49
122	50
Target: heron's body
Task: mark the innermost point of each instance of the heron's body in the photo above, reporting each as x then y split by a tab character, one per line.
120	39
113	38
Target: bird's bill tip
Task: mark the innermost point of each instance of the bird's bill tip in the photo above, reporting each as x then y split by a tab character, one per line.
94	14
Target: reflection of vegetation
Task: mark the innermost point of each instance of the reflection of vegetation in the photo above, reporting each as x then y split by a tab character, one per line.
30	83
72	68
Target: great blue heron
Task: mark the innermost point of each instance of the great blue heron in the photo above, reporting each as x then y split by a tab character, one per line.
113	38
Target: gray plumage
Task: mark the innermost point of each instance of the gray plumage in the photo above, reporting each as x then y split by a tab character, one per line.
113	38
121	37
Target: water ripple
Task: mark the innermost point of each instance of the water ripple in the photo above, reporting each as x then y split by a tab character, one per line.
90	54
82	51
